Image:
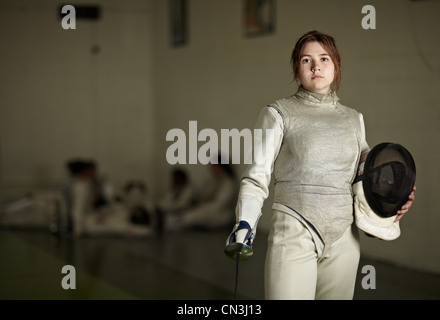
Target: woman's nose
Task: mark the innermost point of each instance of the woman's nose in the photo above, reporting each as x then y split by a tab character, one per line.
315	67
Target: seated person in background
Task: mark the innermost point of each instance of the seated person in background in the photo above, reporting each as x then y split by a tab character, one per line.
180	197
216	206
94	214
76	169
102	191
139	205
38	209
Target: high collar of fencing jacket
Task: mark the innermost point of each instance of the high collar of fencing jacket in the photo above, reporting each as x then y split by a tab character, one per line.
316	99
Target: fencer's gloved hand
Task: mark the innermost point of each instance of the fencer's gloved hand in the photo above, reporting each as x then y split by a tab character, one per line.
239	241
241	233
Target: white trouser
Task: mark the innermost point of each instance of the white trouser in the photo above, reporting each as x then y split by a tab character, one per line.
300	267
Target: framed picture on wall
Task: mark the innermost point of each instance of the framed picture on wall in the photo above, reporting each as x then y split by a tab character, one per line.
178	22
258	17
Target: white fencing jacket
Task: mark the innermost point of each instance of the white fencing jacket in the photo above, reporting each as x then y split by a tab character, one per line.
313	150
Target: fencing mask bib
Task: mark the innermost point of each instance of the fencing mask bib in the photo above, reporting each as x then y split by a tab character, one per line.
385	179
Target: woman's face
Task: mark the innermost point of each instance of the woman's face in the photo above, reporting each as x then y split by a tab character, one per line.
316	70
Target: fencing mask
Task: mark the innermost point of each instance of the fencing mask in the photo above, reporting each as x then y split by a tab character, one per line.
385	179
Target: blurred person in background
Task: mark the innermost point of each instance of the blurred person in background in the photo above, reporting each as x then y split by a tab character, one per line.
180	196
215	207
92	209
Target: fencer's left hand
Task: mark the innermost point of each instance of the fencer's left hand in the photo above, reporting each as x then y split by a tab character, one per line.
406	206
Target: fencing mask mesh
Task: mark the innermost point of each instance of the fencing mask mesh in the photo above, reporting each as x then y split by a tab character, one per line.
389	177
386	177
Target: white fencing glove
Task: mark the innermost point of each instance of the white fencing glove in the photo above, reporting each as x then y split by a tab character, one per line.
240	241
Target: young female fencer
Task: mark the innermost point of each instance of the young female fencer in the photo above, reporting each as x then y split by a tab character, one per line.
313	245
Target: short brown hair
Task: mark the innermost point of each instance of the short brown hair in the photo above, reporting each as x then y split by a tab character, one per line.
329	45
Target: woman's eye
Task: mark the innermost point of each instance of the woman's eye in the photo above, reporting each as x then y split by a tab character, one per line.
324	59
306	60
